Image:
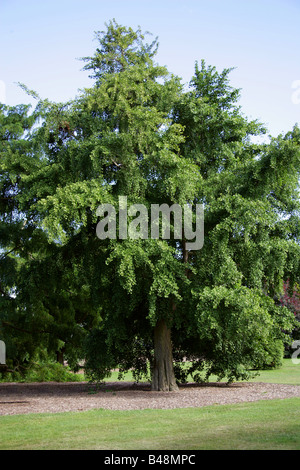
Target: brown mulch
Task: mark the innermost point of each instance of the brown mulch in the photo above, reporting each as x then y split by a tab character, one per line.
53	397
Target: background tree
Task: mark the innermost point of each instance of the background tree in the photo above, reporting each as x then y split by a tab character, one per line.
17	240
290	298
40	304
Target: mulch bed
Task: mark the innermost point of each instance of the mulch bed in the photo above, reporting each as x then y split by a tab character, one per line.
53	397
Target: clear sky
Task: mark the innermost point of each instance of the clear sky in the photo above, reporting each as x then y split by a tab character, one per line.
41	41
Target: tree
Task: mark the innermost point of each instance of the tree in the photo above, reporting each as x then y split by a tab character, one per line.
40	304
16	236
128	144
137	134
289	297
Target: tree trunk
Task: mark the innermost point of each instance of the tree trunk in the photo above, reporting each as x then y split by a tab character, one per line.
163	377
60	357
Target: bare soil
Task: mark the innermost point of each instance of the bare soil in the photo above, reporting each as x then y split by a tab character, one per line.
53	397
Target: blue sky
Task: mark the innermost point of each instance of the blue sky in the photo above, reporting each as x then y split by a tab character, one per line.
41	42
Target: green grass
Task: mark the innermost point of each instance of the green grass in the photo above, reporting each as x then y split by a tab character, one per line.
289	373
270	425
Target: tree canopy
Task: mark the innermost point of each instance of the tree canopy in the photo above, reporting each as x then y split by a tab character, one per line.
147	304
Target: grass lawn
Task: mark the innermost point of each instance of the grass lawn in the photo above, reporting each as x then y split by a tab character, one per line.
289	373
268	425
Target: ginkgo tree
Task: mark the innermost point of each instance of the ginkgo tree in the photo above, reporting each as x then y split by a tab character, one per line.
154	305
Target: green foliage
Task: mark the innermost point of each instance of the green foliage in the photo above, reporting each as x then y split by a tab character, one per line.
103	356
42	371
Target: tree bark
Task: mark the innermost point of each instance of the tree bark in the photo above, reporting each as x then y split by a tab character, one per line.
60	357
163	377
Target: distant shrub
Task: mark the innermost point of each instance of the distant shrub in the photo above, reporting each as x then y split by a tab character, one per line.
47	371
